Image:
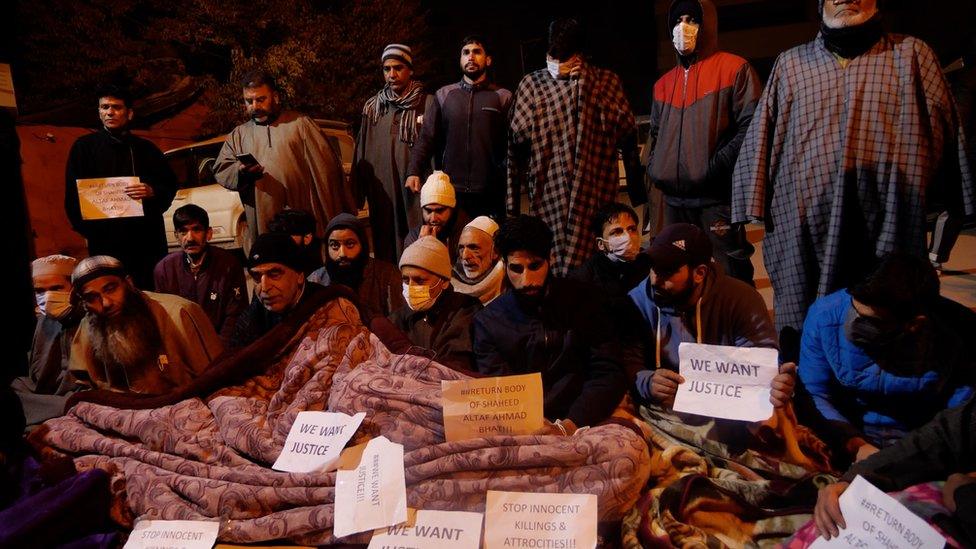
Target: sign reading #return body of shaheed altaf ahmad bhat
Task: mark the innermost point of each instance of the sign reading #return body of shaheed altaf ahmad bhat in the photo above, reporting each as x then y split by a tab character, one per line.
506	405
105	198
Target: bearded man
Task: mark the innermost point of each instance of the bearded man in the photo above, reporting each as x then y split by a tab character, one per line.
135	341
478	271
376	282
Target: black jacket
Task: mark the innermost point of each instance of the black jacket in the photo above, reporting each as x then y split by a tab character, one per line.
465	130
445	328
615	279
567	338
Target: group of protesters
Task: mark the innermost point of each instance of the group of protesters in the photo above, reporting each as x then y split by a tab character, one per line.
853	140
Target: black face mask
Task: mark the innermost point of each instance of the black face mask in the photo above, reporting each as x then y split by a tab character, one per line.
870	333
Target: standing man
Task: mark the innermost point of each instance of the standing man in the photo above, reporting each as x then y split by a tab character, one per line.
207	275
465	131
279	159
568	122
699	117
854	134
391	124
113	151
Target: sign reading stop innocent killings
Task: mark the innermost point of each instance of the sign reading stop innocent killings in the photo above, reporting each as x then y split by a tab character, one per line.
875	519
537	521
726	382
173	534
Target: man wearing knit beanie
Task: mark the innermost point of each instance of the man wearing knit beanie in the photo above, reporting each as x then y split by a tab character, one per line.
376	282
442	218
136	341
435	317
478	271
47	385
277	267
391	123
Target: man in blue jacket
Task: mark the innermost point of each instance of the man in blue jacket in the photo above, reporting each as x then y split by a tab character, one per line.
885	356
465	131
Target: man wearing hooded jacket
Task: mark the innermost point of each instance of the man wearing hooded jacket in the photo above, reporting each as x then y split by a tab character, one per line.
699	117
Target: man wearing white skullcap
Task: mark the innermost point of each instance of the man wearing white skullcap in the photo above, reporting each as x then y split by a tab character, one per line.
442	218
47	385
479	270
436	317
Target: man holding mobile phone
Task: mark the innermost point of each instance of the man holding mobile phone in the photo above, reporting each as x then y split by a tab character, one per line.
278	159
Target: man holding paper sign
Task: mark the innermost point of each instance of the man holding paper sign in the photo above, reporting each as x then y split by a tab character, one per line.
688	299
114	152
553	326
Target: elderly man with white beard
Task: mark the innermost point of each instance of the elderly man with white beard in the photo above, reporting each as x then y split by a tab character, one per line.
478	271
135	341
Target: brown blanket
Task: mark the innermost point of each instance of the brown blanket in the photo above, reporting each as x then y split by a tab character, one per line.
210	458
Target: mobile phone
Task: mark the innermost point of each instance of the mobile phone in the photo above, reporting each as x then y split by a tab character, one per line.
247	159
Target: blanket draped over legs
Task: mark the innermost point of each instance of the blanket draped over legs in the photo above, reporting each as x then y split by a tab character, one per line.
209	458
723	483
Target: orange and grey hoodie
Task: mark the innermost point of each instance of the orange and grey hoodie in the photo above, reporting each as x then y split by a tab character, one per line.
699	116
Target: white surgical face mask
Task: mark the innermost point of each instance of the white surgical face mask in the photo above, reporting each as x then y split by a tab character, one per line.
685	37
553	66
54	303
420	298
622	247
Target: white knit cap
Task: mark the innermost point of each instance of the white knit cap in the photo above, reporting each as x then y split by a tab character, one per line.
57	264
429	254
438	190
484	223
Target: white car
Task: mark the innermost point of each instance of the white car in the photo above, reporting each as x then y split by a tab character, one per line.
193	165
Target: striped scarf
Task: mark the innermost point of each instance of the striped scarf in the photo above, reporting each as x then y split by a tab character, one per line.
386	99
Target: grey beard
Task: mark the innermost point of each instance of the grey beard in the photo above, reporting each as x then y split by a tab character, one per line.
126	344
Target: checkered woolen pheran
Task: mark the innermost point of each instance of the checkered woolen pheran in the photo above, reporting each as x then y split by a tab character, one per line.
841	164
563	152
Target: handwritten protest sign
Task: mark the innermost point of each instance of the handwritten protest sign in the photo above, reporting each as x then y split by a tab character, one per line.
374	493
875	519
432	530
507	405
106	198
726	382
556	521
173	534
315	441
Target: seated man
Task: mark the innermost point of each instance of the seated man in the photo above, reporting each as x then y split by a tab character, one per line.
478	271
207	275
376	282
442	218
945	448
276	267
687	298
435	316
300	225
135	341
882	358
47	385
619	265
553	326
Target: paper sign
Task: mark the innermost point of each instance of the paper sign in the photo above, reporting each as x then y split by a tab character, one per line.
726	382
8	99
106	198
557	521
315	441
173	534
433	530
373	494
507	405
875	519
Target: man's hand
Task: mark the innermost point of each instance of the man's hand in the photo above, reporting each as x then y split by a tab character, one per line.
664	386
550	428
864	451
413	183
955	481
253	169
429	230
826	514
782	387
138	191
